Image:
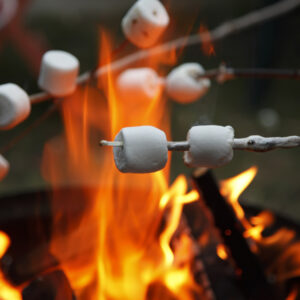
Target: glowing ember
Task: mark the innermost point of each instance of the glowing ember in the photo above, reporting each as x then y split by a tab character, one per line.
222	252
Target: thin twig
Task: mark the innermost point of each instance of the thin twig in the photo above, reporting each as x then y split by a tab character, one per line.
224	73
224	30
253	143
258	143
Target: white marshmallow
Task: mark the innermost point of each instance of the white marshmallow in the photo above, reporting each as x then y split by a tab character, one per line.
4	167
144	150
14	105
144	23
140	84
210	146
182	84
58	74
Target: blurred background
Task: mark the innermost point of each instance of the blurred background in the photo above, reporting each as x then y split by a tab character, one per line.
264	107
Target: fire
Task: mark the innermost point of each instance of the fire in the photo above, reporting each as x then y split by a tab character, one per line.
114	242
222	252
207	45
7	292
232	189
280	250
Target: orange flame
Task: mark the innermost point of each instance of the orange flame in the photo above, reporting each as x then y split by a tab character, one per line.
7	291
222	252
232	189
109	237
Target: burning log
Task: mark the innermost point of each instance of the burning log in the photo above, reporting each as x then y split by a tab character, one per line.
51	286
22	268
253	281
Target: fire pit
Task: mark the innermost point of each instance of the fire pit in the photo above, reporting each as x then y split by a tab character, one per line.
111	224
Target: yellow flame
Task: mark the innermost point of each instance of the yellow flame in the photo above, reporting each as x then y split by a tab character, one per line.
7	292
222	252
232	188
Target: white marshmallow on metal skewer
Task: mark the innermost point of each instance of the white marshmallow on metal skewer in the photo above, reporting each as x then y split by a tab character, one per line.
182	84
14	105
4	167
58	74
210	146
144	23
144	150
139	84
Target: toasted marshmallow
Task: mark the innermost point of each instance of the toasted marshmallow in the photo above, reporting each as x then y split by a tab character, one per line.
14	105
58	74
145	22
144	150
210	146
183	86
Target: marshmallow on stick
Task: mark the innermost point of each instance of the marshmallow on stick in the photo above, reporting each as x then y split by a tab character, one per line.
4	167
206	146
142	84
144	150
14	105
182	84
145	22
209	146
58	74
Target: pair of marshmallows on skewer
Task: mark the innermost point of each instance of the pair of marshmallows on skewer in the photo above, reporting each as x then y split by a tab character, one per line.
57	77
181	84
144	149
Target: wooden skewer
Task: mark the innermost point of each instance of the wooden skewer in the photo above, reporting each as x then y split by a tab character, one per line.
253	143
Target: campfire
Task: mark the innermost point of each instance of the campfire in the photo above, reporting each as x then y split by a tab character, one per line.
118	230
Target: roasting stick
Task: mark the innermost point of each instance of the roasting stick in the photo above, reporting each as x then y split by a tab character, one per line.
254	143
222	31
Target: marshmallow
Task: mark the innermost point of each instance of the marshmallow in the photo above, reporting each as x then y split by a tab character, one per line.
144	150
210	146
58	74
4	167
182	84
14	105
144	23
140	84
